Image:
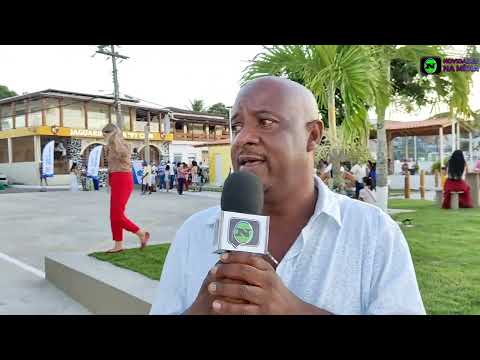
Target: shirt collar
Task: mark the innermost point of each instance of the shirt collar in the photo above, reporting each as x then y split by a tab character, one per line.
327	202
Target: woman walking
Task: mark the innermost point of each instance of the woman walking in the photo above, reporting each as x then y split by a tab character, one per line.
456	169
120	180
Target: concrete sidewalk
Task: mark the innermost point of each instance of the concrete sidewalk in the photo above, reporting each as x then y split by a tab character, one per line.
23	293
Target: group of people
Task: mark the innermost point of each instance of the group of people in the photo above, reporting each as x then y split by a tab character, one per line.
360	179
165	176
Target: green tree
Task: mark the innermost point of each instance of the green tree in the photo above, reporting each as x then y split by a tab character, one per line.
6	92
197	105
218	108
337	75
452	88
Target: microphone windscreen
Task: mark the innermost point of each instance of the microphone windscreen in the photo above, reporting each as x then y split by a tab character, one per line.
243	193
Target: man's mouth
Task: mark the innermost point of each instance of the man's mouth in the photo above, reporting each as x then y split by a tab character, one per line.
250	161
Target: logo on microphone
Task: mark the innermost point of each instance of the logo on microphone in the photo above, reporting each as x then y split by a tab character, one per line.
243	232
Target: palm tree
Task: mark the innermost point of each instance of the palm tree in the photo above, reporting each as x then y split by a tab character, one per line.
197	105
326	70
456	96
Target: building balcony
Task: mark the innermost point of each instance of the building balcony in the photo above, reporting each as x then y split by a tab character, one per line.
199	137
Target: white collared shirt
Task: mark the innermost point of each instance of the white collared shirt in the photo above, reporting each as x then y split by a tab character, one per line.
350	258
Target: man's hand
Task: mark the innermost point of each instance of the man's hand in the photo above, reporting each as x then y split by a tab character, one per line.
203	303
262	290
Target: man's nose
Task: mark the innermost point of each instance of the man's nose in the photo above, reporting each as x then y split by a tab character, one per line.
247	135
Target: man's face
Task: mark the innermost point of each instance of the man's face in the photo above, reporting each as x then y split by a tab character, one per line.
269	135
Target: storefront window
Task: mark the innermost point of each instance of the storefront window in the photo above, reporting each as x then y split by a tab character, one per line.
35	115
97	116
23	149
6	117
74	116
3	150
20	109
52	112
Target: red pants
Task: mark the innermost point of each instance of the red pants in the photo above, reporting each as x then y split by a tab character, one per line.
464	200
121	187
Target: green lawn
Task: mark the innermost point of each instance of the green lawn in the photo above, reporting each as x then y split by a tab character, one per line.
148	262
445	247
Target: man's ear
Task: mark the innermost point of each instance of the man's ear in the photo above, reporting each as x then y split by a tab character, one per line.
315	133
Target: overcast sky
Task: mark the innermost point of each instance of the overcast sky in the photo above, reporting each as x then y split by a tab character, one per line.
166	75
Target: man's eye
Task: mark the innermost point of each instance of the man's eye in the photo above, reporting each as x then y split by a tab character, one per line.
266	122
236	128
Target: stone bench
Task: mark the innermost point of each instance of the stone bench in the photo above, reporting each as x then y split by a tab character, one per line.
454	199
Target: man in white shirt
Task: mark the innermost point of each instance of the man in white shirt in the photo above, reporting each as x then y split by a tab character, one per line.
359	171
335	255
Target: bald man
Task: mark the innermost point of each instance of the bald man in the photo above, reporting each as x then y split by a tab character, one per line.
335	255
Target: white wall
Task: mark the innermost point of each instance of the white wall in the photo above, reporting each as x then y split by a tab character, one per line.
397	182
185	148
26	173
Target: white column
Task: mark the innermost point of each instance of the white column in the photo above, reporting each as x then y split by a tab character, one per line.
440	133
37	148
10	154
406	147
453	135
458	135
415	148
470	145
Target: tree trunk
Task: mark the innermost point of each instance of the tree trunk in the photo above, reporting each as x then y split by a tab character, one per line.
332	121
382	162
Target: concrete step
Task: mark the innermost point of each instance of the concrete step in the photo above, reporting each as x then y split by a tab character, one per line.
100	286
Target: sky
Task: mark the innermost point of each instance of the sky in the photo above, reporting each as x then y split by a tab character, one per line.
166	75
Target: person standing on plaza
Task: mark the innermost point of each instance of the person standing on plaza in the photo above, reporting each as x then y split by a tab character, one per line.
168	178
359	171
372	173
172	175
187	173
146	178
74	173
195	177
181	173
43	178
154	176
120	181
161	176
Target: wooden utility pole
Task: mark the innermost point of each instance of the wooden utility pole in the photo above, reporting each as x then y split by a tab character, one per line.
407	186
103	49
422	184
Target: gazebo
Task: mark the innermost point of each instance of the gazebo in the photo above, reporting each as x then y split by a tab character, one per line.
436	126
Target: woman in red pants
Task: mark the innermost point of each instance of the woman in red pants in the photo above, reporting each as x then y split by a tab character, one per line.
121	186
457	167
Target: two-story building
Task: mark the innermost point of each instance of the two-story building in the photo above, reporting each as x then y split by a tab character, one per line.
74	121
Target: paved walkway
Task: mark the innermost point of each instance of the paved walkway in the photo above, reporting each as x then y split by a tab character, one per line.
24	293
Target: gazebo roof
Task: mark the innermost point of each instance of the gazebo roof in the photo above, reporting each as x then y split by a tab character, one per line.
427	127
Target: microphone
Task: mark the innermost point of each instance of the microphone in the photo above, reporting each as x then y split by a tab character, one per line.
241	226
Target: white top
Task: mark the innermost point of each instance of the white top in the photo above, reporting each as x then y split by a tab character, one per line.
359	171
350	258
368	196
327	169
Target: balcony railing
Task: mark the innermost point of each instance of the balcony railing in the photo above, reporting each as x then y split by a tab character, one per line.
199	137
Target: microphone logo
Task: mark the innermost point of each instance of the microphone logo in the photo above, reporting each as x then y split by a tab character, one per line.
243	232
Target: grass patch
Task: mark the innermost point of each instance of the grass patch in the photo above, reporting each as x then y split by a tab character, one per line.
445	248
148	262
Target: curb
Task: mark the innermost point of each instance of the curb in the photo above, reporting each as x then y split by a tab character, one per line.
104	289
